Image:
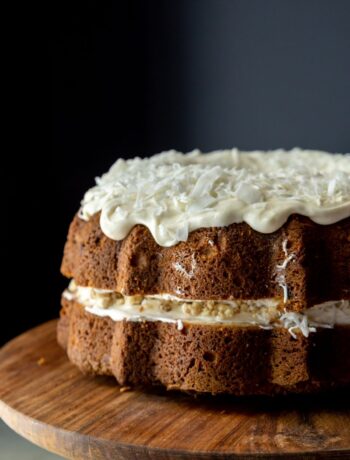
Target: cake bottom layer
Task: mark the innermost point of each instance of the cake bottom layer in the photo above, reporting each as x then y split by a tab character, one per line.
205	358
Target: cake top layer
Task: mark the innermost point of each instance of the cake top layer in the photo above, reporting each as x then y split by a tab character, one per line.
174	193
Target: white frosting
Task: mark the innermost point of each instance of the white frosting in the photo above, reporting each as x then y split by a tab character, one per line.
173	193
264	313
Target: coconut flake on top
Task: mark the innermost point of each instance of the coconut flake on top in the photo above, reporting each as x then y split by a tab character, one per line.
174	193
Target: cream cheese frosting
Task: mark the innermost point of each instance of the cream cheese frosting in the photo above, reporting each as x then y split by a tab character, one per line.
174	193
265	313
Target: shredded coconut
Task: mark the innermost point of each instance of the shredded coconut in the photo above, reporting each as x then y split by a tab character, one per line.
173	193
280	270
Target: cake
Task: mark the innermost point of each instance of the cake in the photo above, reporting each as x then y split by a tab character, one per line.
226	272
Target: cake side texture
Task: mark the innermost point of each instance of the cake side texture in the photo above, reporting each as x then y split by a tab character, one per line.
302	263
204	358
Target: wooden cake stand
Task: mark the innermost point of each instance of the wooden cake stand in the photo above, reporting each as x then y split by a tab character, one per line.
48	401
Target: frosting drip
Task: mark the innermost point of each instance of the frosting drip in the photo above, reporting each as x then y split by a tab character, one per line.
174	193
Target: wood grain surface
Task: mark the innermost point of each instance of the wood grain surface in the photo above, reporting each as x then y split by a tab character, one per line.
46	400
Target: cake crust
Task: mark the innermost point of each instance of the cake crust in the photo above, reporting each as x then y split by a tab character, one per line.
204	358
233	262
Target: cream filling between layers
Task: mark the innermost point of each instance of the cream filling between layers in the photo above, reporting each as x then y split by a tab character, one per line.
265	313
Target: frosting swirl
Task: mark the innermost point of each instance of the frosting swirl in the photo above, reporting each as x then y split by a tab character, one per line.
173	193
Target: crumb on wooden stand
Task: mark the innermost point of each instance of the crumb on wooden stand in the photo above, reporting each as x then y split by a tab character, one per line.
41	361
124	389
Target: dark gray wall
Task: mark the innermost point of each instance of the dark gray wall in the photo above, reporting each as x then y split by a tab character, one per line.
249	73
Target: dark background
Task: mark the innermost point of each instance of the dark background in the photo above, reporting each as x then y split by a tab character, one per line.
91	82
